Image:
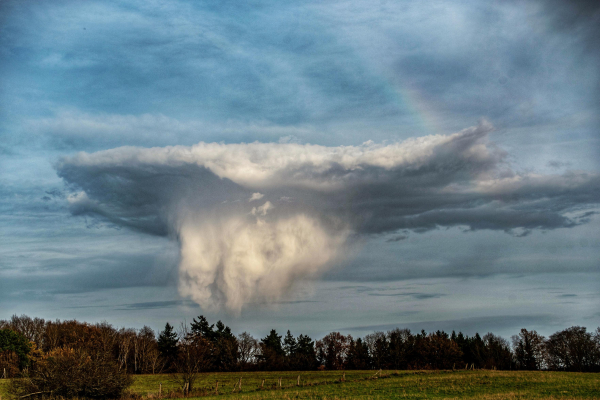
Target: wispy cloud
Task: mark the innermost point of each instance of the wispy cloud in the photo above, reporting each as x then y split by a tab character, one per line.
152	305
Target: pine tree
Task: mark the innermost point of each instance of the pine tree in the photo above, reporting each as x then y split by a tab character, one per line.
272	357
289	344
167	345
226	348
273	342
202	328
290	347
358	355
306	357
223	346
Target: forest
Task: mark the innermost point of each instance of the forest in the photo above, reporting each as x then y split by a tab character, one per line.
25	344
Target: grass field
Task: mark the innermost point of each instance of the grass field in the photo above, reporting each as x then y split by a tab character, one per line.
3	385
404	384
489	385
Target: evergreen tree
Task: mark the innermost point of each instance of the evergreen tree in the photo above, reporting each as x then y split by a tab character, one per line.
290	346
223	346
358	355
272	357
401	347
498	354
14	342
167	345
273	342
202	328
381	353
306	357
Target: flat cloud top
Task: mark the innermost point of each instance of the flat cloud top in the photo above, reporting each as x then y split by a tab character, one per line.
253	219
269	164
419	184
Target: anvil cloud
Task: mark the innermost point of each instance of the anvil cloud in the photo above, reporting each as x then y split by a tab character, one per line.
314	198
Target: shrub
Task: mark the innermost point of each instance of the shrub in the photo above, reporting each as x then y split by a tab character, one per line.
72	373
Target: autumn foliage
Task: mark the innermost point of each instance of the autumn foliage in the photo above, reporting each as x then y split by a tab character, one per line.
74	359
67	372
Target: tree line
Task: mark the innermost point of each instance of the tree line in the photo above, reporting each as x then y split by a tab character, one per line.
29	344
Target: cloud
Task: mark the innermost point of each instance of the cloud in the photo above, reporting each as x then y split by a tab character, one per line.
232	254
558	164
262	210
231	261
397	238
152	305
417	296
256	196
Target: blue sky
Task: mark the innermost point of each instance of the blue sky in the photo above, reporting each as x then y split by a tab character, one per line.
97	76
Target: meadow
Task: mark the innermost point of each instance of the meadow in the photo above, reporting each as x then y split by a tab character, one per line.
481	384
329	385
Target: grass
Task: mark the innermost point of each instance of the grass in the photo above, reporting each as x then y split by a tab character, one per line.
149	384
326	385
489	385
3	388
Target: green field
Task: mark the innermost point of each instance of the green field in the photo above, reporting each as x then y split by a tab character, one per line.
392	385
3	385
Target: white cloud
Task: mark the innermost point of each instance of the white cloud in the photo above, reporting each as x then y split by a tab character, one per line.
230	258
230	261
312	166
262	210
256	196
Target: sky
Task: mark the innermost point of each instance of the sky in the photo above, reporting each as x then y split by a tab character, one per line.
349	166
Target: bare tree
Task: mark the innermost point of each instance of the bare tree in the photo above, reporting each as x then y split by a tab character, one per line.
32	328
145	343
156	363
332	350
193	357
108	336
126	342
573	349
248	349
52	335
